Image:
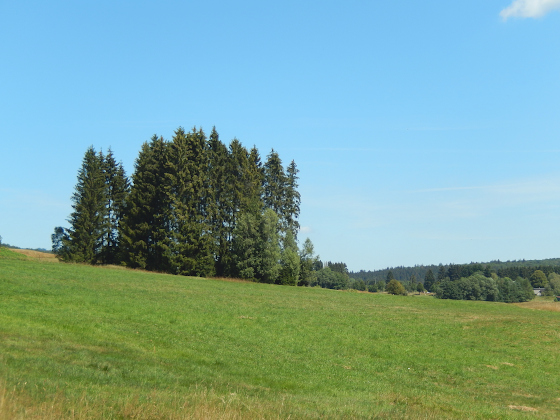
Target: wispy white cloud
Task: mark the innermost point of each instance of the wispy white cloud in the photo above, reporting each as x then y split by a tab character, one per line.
529	8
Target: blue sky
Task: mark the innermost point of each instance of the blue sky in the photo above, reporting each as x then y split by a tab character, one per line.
425	131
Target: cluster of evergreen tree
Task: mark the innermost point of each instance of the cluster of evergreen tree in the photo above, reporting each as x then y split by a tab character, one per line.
99	203
194	206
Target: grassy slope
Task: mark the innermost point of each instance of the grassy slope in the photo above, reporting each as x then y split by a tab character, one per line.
115	343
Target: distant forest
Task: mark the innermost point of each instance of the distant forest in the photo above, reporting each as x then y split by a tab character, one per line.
511	269
511	281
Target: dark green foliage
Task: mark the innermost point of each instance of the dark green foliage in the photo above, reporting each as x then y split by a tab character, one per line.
429	280
358	285
117	188
220	204
390	276
60	242
511	269
378	286
292	201
256	249
328	279
275	182
553	286
479	287
84	239
411	285
280	192
454	272
538	279
191	245
290	261
334	276
339	267
244	195
420	287
395	287
441	273
195	208
146	228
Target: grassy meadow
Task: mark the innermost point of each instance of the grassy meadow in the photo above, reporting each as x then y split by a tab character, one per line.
105	342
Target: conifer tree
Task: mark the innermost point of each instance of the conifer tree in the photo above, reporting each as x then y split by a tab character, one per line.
237	168
84	237
220	205
192	240
245	187
145	230
441	273
429	280
254	179
275	183
116	189
292	201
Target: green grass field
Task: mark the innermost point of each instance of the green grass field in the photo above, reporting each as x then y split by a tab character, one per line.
100	342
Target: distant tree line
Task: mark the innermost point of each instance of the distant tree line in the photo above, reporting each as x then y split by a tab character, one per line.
193	206
512	269
473	281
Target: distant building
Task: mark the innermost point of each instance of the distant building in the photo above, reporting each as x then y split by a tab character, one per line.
538	291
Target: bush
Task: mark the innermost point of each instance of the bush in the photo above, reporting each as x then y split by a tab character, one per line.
538	279
395	287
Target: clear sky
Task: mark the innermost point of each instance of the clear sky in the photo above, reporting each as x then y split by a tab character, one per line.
425	131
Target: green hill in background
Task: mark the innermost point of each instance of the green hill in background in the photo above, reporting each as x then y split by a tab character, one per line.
81	341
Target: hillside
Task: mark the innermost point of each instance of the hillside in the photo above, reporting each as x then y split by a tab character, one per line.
100	342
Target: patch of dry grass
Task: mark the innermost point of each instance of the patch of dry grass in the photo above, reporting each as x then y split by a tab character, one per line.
18	405
43	256
540	305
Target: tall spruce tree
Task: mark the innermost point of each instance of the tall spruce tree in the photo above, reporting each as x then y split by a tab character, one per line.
244	173
275	183
429	280
441	273
220	205
145	230
292	201
192	240
116	190
84	238
237	168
